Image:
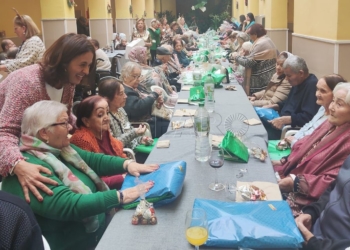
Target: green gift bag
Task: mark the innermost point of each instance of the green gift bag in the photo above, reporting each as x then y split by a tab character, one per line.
274	153
234	149
196	94
145	148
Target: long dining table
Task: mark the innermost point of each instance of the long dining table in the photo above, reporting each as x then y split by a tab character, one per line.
169	233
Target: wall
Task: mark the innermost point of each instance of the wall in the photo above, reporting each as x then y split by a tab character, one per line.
30	8
168	5
343	20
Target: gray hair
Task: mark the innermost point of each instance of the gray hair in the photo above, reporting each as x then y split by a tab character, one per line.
41	115
128	68
168	47
345	86
296	63
247	46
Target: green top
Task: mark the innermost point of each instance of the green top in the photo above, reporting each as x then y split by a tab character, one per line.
60	216
155	36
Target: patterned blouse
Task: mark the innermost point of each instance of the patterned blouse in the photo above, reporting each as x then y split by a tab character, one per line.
122	129
30	52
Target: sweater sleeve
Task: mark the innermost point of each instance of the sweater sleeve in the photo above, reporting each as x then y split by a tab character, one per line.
136	107
30	53
326	244
308	108
102	164
281	92
246	62
20	94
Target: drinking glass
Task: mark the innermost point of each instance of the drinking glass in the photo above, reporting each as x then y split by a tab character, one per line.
216	161
196	227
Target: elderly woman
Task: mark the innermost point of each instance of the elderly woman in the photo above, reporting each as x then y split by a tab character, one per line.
65	64
93	133
153	76
113	90
180	54
277	89
262	58
140	31
170	33
324	95
248	22
182	25
32	49
74	216
315	160
140	102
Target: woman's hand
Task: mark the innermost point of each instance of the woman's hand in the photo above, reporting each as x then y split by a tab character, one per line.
251	98
276	162
141	129
160	101
289	139
286	184
30	179
136	169
131	194
145	140
304	223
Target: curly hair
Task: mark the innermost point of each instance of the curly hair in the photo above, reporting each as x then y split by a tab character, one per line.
257	29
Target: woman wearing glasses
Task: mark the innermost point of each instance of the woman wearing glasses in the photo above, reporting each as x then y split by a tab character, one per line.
32	49
139	101
76	215
65	64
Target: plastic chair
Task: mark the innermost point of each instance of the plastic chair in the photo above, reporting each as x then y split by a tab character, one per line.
287	128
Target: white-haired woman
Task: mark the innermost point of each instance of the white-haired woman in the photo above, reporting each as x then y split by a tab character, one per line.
140	102
74	216
315	160
32	48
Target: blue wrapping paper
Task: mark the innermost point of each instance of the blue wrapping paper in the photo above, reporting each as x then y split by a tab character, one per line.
168	182
250	224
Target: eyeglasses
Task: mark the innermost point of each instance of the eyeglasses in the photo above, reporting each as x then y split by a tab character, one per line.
66	124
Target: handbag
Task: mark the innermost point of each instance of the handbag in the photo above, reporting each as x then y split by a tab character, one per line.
196	94
234	149
258	224
162	112
168	182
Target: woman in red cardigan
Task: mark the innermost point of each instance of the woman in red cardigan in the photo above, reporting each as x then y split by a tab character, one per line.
93	133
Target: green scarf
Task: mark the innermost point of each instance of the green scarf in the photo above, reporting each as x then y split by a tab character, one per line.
48	154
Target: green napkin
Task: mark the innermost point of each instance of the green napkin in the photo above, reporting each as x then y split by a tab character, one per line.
274	153
144	148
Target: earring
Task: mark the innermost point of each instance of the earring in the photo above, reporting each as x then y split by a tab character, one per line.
47	141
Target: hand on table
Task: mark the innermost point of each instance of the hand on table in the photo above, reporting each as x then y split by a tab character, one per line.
278	123
29	177
286	184
131	194
136	169
251	98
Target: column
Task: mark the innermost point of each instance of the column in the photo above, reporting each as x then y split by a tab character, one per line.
276	21
101	25
149	11
253	7
124	17
57	18
323	42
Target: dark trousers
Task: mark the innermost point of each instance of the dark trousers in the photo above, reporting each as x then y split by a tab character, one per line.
153	56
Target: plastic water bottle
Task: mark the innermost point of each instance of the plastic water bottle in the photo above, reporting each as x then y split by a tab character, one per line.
202	128
112	46
209	87
197	76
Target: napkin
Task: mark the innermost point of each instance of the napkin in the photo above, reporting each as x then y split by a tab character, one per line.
182	124
271	190
163	144
184	112
184	101
216	140
252	122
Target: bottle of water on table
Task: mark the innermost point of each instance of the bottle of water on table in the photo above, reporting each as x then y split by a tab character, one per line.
209	93
202	128
197	76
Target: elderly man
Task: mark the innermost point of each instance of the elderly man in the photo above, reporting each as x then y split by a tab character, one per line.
6	44
300	106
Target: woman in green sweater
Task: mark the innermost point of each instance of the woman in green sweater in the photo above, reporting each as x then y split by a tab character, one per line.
74	217
154	31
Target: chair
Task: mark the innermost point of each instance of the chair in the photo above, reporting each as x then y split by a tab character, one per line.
115	68
246	82
288	131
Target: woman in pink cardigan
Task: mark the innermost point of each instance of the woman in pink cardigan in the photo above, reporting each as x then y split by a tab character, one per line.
64	65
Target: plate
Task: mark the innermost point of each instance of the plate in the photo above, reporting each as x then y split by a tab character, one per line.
235	123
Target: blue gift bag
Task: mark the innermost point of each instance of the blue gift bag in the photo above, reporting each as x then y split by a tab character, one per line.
259	224
168	182
266	114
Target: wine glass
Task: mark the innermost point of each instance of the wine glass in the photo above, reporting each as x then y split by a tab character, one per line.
216	161
196	227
